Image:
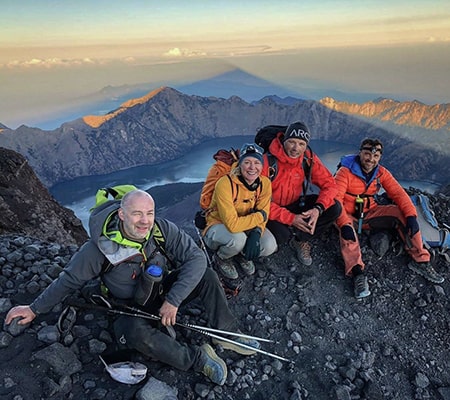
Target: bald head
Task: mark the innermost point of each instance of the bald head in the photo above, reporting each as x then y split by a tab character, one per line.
130	197
137	212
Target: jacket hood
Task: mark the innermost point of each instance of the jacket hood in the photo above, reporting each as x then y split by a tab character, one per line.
352	163
276	148
98	217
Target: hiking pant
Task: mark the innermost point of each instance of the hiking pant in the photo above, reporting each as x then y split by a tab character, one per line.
383	217
148	338
283	232
227	244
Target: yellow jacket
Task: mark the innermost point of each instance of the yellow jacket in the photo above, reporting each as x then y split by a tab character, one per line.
234	205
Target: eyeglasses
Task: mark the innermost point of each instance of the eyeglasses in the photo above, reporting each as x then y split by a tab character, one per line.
251	148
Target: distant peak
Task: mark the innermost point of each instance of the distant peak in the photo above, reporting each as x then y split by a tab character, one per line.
143	99
96	121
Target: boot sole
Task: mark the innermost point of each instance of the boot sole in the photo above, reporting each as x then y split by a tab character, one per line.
424	275
234	347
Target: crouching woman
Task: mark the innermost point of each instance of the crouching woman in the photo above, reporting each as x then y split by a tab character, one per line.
236	220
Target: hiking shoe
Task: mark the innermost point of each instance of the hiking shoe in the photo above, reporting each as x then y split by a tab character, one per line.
212	365
225	267
303	250
361	286
426	270
247	266
239	349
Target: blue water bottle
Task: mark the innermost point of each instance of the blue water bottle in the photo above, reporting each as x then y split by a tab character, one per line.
148	284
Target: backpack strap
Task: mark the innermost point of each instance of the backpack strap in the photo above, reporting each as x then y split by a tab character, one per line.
273	166
234	197
364	195
445	244
307	166
160	241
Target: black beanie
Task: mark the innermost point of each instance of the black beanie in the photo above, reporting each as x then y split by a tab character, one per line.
297	130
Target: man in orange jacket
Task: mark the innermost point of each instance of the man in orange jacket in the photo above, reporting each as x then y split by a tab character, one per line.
358	180
295	216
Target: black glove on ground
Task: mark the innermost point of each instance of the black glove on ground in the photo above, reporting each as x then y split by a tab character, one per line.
252	245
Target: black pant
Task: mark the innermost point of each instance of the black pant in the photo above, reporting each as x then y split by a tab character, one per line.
141	335
283	232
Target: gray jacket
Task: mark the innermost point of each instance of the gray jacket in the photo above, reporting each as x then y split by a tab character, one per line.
122	279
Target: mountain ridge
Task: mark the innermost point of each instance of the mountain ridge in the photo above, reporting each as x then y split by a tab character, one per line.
168	123
410	113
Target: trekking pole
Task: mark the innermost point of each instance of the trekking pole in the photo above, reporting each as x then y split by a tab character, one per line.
207	329
135	312
211	332
202	244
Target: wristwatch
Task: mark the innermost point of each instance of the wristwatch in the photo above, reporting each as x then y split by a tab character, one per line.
319	207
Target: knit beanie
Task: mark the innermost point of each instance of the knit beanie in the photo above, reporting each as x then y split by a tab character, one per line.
297	130
251	150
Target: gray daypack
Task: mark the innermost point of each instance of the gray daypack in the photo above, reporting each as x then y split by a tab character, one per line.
435	236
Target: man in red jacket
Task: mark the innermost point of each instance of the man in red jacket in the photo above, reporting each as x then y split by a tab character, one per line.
296	217
358	180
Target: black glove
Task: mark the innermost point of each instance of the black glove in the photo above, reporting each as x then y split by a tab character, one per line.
264	214
412	227
348	233
252	245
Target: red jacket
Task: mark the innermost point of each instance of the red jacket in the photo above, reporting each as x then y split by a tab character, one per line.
350	183
287	186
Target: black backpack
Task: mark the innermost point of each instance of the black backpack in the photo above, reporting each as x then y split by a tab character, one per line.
266	134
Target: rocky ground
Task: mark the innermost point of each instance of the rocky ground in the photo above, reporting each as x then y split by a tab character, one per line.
391	345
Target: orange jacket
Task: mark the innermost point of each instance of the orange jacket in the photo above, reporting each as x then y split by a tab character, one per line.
287	186
351	182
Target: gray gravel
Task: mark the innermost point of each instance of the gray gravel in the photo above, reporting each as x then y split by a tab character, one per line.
391	345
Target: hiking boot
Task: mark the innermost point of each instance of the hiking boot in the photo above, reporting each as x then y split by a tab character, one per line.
361	286
225	267
303	251
247	266
212	365
239	349
426	270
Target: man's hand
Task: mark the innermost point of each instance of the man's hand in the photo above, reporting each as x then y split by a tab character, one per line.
168	314
25	312
307	220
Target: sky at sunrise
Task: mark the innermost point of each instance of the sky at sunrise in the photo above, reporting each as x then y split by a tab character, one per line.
52	52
